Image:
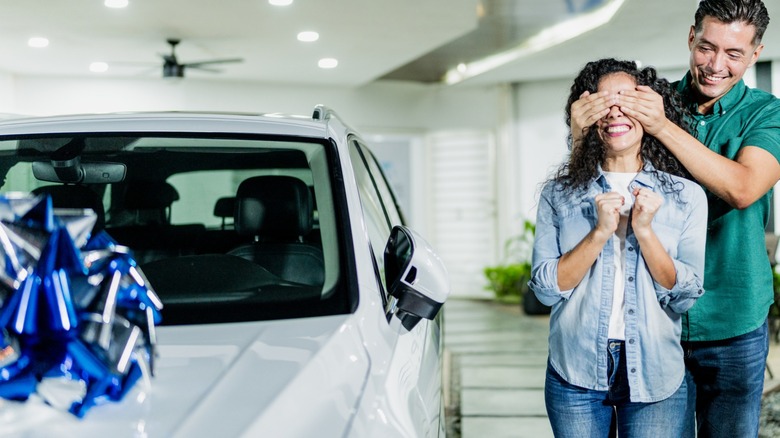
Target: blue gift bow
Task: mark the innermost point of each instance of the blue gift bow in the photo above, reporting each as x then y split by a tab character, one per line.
106	341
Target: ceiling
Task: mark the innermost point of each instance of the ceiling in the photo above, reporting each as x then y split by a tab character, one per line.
408	40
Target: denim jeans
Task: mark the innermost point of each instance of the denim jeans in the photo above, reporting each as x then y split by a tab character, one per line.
725	384
576	412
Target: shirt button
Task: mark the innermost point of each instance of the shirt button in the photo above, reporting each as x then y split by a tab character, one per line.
630	341
630	311
630	248
702	123
630	278
700	291
633	370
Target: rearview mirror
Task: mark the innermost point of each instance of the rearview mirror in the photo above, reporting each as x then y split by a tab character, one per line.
415	275
73	171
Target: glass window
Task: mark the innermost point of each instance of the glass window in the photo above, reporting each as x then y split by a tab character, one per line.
379	211
174	209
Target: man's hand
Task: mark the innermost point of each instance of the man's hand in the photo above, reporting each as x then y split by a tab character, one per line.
587	110
646	106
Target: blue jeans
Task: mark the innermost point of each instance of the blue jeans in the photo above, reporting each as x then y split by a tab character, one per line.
576	412
725	384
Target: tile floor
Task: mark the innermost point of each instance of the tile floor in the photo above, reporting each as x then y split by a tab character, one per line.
495	363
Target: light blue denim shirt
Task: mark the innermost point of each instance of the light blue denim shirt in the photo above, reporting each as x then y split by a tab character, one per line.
580	317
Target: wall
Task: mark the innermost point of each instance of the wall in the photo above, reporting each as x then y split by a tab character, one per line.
386	106
7	102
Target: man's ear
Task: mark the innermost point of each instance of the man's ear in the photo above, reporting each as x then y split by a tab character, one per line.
756	54
691	37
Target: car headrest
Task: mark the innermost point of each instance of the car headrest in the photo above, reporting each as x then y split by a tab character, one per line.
75	196
273	206
224	207
150	195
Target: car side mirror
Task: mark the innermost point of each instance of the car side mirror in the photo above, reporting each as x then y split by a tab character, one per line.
415	275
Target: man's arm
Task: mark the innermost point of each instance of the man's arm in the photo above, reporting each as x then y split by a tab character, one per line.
739	182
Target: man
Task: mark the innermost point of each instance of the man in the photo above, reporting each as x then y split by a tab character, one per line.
735	155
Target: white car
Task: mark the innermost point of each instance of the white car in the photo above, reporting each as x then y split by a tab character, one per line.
295	302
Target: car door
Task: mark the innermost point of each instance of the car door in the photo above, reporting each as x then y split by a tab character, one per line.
414	369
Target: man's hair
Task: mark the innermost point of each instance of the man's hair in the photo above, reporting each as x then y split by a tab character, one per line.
751	12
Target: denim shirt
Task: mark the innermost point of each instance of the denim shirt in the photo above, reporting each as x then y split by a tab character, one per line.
580	317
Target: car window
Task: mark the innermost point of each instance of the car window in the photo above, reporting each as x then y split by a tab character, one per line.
389	203
225	229
379	212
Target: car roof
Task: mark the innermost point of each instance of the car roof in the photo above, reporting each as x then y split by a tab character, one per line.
173	122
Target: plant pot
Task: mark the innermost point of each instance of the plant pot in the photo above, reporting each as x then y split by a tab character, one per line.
532	305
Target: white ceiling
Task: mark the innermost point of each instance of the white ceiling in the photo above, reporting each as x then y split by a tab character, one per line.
400	39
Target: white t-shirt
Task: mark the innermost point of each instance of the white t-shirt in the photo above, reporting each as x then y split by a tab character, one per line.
620	182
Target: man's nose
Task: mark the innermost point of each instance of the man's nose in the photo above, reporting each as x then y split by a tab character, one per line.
717	61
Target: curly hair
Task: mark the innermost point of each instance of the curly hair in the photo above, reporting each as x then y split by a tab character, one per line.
586	156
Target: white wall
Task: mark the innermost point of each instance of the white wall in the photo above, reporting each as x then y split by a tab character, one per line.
541	139
386	106
7	101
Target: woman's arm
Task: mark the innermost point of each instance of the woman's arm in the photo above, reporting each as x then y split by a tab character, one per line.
555	275
689	261
573	265
659	263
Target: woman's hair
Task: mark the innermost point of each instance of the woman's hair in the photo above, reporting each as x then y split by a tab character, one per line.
587	154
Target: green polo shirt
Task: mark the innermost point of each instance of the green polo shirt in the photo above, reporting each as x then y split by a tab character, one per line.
737	275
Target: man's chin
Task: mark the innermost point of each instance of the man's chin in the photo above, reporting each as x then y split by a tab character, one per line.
708	90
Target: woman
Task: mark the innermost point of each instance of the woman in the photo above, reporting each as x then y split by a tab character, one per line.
619	255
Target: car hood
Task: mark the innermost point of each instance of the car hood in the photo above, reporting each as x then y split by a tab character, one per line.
298	377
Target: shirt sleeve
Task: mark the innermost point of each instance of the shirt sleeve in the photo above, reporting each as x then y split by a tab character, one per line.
689	263
546	253
765	133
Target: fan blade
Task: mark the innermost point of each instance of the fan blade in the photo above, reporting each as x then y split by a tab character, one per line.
213	61
132	63
208	69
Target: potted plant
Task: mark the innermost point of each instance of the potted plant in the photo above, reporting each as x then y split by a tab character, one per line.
774	309
509	280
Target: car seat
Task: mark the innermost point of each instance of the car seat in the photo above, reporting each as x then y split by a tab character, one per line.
76	196
277	212
148	230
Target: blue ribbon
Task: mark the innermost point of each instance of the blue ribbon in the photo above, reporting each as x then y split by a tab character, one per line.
86	314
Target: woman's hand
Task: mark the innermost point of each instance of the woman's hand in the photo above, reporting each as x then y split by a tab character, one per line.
575	264
646	204
608	210
659	263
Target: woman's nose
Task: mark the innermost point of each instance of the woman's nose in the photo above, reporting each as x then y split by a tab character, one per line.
614	111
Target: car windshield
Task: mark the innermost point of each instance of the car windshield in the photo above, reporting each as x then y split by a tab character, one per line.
224	228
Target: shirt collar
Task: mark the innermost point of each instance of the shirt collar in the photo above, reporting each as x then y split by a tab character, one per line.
645	177
724	104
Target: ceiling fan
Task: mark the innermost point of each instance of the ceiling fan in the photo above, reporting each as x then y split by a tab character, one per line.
172	68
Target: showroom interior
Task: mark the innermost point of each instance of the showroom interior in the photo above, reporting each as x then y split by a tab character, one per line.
474	146
462	101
